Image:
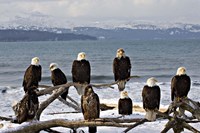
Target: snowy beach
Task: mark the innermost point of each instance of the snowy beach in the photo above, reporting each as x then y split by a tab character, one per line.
57	110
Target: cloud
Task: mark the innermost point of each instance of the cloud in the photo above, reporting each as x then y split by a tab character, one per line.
105	10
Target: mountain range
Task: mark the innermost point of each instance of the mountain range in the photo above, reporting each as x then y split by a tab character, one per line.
119	31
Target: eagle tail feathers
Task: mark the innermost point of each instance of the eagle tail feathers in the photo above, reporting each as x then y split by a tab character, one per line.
150	115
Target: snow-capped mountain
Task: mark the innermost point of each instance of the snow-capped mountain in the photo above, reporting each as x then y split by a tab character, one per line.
104	29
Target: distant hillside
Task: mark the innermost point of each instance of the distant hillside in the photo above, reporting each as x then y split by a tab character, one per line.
129	31
137	34
9	35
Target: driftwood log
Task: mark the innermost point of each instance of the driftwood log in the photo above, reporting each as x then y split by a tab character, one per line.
42	125
175	122
179	122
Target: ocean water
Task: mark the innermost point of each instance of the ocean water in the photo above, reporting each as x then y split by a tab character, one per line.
153	58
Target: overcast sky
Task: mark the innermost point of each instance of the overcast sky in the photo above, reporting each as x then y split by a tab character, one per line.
185	11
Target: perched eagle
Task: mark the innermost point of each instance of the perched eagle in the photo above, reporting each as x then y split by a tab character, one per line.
58	78
32	74
121	68
81	72
151	99
26	109
180	84
125	104
90	106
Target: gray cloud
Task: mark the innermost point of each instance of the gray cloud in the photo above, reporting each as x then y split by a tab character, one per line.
105	10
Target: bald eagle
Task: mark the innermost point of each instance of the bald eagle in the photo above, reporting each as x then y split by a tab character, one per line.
121	68
81	72
180	84
58	78
32	74
125	104
151	99
26	109
90	106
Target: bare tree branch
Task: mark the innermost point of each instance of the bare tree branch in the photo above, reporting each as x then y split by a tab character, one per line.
44	104
117	120
77	108
38	126
6	118
73	100
176	123
135	125
61	113
110	85
49	89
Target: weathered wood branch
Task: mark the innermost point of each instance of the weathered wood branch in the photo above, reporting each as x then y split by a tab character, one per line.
44	104
42	125
118	120
177	123
6	118
71	99
191	106
62	113
185	104
110	85
187	126
77	108
178	126
135	125
56	94
49	89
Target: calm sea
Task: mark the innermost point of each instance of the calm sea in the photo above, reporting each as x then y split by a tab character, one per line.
154	58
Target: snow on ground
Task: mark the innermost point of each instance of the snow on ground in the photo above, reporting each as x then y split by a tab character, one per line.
150	127
58	107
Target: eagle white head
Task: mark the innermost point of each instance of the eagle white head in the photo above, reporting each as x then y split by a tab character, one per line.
35	61
120	53
81	56
53	66
151	82
124	94
181	71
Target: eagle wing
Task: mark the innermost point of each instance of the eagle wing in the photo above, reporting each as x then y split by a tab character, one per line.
173	86
157	96
98	104
116	69
144	93
87	71
128	66
27	76
82	98
74	70
81	71
188	84
39	73
58	77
